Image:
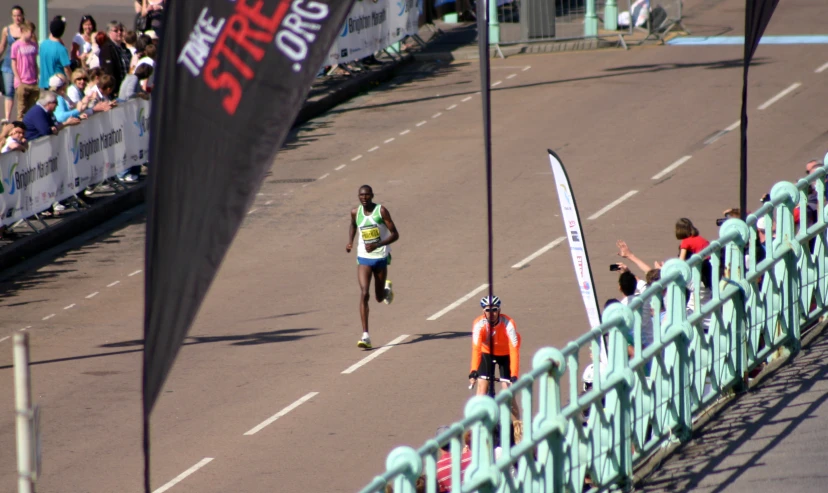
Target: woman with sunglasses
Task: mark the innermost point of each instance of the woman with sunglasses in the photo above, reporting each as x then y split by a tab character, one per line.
83	41
505	352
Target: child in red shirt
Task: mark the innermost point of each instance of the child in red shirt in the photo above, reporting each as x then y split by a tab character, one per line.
691	242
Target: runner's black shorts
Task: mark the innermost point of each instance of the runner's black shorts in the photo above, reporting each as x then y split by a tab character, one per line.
502	363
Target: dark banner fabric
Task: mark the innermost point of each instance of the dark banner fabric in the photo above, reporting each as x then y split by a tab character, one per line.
231	78
757	16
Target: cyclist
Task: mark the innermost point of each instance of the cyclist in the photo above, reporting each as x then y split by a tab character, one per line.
506	342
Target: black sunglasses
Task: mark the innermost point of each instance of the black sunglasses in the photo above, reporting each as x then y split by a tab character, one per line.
490	310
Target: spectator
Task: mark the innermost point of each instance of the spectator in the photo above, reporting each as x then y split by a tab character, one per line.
24	66
140	45
63	112
691	242
148	59
131	87
54	59
40	120
130	38
83	41
112	62
631	287
105	89
148	14
94	77
444	464
15	140
8	37
74	94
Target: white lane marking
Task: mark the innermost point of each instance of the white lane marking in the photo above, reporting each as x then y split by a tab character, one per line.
510	76
405	131
435	115
26	327
374	354
781	95
452	107
69	306
135	273
718	135
47	317
281	413
342	166
497	83
526	68
203	462
357	157
733	126
252	211
118	282
373	149
306	184
550	246
92	295
613	204
670	168
388	141
467	98
269	202
458	302
3	339
323	176
421	123
821	69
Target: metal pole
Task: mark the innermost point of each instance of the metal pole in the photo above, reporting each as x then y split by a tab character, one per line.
23	405
611	16
494	25
590	20
42	22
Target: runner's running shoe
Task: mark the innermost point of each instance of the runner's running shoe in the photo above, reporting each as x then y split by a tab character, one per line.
365	343
389	293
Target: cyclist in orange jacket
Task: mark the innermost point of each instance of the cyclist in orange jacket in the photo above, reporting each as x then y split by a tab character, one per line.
506	342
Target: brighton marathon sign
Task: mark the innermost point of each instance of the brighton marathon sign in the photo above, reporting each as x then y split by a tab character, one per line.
87	148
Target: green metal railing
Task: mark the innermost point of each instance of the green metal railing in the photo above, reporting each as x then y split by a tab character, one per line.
698	355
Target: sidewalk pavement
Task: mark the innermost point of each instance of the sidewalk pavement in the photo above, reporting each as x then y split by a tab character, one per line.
771	438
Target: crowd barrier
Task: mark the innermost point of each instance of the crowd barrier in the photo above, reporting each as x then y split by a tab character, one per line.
61	166
700	353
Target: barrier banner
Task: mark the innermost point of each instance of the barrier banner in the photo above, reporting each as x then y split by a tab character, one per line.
373	26
136	132
58	167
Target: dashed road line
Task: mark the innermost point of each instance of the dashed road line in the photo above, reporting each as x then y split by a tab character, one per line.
436	115
733	126
323	176
612	204
251	211
268	202
457	303
26	327
511	76
281	413
420	124
452	107
526	68
497	83
118	282
821	69
69	306
782	94
388	141
47	317
670	168
375	353
181	477
550	246
467	98
3	339
405	131
356	158
340	167
90	296
373	149
135	273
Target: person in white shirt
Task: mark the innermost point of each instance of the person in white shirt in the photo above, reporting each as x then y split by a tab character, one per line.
83	41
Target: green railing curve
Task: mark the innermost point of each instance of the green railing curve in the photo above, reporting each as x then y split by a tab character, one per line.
705	342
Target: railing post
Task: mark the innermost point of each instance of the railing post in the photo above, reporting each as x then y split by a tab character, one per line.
494	25
413	465
590	20
676	302
786	271
735	309
482	444
611	16
549	424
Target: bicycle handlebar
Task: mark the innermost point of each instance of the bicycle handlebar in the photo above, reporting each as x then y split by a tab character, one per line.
484	377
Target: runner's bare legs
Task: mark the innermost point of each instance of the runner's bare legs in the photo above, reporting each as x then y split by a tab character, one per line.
364	277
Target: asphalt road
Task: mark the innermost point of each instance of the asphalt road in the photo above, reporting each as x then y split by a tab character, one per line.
281	320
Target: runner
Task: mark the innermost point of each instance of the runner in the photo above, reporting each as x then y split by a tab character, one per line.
377	231
506	341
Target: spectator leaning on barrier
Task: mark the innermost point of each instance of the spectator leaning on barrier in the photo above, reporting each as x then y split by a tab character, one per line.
74	94
148	58
63	112
13	137
54	59
24	66
131	87
94	76
40	120
105	90
83	41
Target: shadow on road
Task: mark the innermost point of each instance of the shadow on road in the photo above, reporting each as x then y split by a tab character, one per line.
739	436
438	336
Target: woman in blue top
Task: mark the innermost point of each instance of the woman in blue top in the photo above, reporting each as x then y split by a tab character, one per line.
9	35
64	113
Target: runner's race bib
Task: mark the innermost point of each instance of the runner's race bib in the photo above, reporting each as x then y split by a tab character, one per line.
370	234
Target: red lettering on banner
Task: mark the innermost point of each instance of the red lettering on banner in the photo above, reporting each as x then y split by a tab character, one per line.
238	29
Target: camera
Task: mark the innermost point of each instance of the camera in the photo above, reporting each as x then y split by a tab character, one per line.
721	220
614	267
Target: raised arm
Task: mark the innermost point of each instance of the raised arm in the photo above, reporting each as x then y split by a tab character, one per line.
624	251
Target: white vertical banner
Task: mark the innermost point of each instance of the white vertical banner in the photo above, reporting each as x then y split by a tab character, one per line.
136	132
577	245
372	26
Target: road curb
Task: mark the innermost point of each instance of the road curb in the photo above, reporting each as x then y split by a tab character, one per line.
106	209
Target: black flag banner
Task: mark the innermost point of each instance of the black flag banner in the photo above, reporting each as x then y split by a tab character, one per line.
231	78
757	15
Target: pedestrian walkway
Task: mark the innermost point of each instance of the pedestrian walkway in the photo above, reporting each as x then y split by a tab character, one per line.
772	438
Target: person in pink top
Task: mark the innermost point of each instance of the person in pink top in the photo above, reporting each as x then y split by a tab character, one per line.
24	66
691	242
